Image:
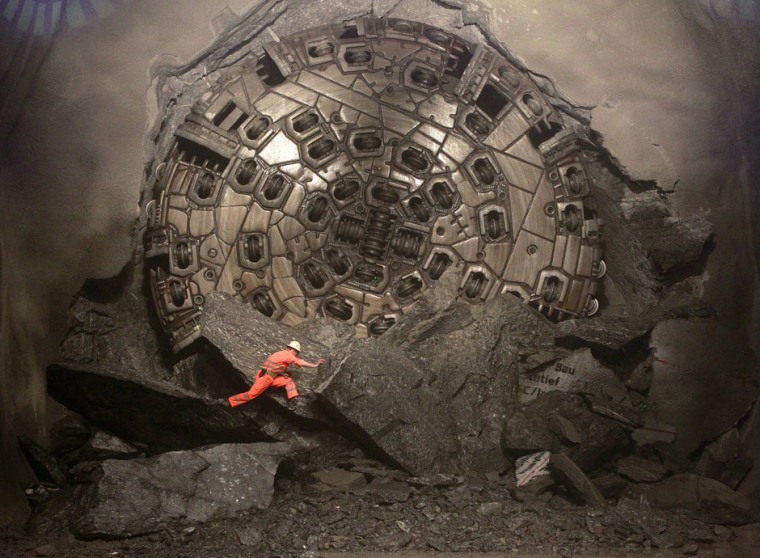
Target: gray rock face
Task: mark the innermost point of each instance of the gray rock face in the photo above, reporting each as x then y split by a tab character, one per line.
680	243
724	460
614	331
114	332
432	394
630	285
670	243
140	496
701	383
475	370
436	313
382	397
111	330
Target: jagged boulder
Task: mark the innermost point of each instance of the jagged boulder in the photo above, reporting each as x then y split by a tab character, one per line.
69	433
702	382
112	330
574	480
725	460
123	498
641	469
102	445
44	465
552	421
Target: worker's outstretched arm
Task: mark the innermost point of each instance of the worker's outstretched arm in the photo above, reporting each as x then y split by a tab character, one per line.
313	364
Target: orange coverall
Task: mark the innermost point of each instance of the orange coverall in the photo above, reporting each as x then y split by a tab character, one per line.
273	373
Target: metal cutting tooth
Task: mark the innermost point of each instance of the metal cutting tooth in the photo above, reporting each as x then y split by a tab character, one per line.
343	169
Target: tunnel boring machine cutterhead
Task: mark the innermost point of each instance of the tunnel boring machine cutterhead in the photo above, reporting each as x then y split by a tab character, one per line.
344	169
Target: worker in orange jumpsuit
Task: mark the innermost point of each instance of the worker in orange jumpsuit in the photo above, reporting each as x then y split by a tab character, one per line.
274	373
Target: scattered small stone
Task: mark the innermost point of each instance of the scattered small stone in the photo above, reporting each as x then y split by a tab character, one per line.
564	429
394	541
491	508
389	491
339	479
723	533
594	526
312	541
640	469
437	480
45	550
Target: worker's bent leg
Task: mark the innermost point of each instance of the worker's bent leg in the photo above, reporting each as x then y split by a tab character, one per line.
258	387
288	384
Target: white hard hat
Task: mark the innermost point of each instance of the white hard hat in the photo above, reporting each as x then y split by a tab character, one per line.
295	345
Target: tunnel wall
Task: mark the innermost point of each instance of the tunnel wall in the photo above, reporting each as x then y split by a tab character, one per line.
665	83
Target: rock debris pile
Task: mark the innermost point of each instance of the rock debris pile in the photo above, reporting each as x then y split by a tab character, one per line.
491	413
463	427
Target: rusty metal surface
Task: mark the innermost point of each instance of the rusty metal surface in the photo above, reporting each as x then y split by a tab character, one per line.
347	167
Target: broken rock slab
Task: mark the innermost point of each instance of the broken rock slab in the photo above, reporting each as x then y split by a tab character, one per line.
338	479
111	329
102	445
160	415
704	379
44	465
137	496
436	313
707	499
381	397
614	331
389	491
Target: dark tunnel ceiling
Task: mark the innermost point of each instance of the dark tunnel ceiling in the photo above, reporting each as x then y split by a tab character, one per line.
345	168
